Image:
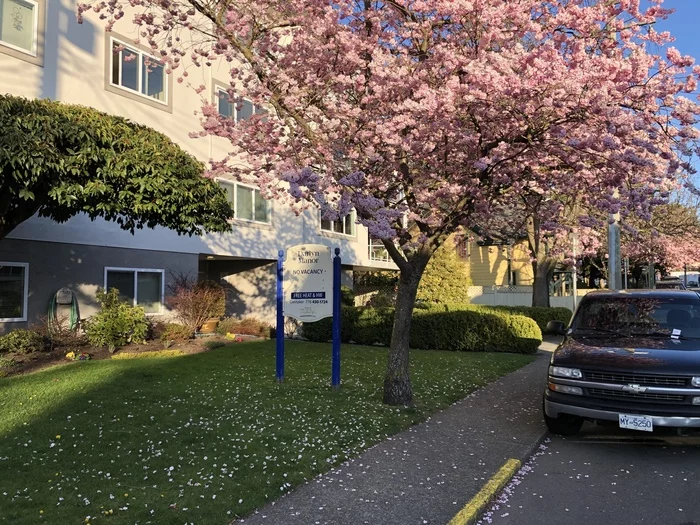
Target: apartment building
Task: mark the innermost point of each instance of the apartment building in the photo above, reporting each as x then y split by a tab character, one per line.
45	53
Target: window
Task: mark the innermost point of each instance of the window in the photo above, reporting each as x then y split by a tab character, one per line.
240	110
344	225
247	203
134	70
19	25
14	282
139	287
377	251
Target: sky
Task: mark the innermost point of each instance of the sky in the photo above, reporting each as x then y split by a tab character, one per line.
684	25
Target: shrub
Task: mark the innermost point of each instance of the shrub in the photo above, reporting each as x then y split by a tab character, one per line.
117	323
196	302
244	326
446	277
172	332
347	296
473	330
22	341
322	331
57	332
435	328
382	299
373	326
541	314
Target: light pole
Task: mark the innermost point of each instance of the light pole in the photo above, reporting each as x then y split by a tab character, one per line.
574	277
614	271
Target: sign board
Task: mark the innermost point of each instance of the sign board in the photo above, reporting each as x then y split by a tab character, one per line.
308	282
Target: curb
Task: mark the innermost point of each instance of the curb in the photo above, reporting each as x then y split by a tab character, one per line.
476	506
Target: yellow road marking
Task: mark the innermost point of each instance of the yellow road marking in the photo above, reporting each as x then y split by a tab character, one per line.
472	510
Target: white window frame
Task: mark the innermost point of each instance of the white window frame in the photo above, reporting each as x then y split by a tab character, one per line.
218	91
25	302
343	234
136	283
35	40
375	247
141	54
235	200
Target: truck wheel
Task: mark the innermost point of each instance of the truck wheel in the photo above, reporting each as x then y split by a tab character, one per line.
564	425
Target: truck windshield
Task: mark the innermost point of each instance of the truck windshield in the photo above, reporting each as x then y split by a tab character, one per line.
649	316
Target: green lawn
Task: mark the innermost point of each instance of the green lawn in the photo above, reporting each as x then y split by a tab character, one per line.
205	437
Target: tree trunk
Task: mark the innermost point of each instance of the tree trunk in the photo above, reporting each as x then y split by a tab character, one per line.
543	271
542	265
397	383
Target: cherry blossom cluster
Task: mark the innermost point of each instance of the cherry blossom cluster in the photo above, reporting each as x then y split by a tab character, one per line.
427	116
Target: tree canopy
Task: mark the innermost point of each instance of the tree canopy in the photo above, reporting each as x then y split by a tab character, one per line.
423	116
59	160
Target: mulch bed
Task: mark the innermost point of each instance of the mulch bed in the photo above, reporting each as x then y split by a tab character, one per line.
27	363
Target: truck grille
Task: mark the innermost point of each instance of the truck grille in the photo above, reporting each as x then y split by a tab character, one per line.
601	392
636	379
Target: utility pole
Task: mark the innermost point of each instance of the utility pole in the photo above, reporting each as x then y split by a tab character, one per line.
614	270
574	277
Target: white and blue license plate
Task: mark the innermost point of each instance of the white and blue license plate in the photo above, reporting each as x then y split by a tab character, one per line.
636	422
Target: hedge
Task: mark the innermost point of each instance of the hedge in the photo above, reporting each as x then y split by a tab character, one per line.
322	331
474	331
540	314
436	329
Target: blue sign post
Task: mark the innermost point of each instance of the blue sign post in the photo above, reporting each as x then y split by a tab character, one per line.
308	289
280	318
335	360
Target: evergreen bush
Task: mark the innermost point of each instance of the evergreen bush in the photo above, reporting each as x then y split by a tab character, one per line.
117	323
22	341
322	331
446	278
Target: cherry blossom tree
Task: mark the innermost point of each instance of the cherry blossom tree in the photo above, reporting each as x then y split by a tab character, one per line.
671	238
423	115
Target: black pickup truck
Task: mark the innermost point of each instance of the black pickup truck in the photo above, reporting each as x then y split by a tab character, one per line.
632	357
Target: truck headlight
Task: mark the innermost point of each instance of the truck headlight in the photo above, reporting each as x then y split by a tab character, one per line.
566	389
571	373
695	381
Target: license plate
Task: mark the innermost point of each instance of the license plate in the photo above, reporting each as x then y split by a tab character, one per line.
636	422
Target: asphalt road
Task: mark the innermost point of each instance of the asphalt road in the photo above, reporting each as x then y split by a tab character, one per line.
607	476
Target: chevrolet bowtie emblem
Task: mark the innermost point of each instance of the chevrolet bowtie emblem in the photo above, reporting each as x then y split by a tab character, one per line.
634	389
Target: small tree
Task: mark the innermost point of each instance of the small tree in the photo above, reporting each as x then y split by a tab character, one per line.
446	278
59	160
195	302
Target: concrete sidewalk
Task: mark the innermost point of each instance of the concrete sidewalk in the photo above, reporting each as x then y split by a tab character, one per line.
426	474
